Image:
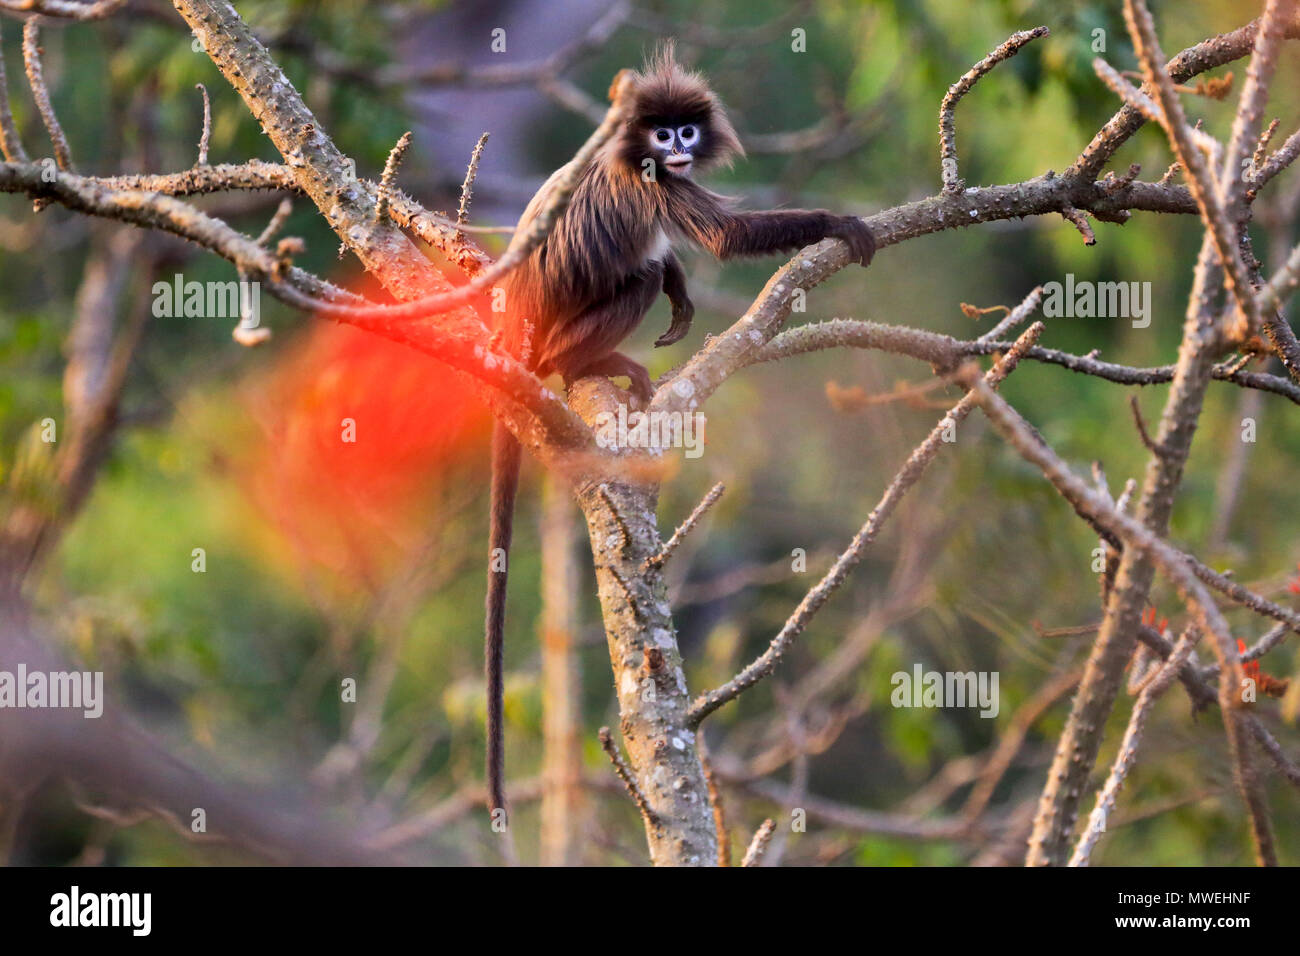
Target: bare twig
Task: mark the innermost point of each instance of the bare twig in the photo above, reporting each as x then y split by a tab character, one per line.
1200	179
1015	317
1141	424
719	810
1246	139
758	846
1261	148
1112	184
663	554
1206	55
1285	155
390	175
1080	221
41	94
11	144
467	187
206	136
1282	284
1268	743
945	351
1232	181
947	134
65	9
282	213
1152	687
625	774
1270	640
1149	109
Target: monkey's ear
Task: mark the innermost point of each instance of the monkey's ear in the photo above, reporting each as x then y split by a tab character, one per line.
623	83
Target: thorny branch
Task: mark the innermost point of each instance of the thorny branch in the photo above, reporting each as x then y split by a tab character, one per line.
947	131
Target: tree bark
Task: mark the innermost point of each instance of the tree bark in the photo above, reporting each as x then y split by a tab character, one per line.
652	695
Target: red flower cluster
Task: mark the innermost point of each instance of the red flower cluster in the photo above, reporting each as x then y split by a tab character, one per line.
1149	619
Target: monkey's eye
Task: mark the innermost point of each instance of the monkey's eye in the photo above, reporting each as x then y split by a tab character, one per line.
663	136
690	135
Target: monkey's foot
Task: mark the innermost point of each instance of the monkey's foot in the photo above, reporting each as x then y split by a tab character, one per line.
681	324
616	364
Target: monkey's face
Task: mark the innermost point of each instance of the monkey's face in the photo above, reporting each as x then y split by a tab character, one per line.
675	145
676	123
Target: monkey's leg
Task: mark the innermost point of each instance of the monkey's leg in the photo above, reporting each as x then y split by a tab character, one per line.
585	344
683	309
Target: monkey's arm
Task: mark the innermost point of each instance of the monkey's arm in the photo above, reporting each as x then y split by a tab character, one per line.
785	230
727	233
683	309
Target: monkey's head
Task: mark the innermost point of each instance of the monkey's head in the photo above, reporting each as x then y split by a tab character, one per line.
676	120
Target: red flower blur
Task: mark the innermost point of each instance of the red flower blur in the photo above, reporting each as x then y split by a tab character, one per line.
356	438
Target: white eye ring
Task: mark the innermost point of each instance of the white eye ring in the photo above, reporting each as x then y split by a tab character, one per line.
662	136
689	134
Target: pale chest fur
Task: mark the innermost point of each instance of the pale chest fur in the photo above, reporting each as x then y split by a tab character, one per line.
657	249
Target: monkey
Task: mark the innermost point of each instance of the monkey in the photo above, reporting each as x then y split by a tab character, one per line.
589	284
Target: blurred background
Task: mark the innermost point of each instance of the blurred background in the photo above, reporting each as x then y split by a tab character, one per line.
324	561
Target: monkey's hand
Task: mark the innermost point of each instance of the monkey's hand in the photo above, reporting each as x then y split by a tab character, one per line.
853	232
683	312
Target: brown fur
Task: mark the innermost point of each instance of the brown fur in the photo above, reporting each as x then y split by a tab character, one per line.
590	283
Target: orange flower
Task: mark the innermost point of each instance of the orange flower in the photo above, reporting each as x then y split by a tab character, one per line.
1267	683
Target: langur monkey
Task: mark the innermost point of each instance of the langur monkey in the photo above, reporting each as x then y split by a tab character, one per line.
588	285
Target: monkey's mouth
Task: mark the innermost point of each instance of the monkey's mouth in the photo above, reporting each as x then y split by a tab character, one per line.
678	163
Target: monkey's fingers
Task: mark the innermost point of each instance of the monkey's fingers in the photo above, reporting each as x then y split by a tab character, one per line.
642	387
638	376
676	332
853	232
683	312
614	365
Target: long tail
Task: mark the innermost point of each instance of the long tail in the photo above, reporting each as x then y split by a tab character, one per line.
505	483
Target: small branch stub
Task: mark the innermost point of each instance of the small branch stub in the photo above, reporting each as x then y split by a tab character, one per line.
467	187
390	174
206	136
656	560
625	774
758	846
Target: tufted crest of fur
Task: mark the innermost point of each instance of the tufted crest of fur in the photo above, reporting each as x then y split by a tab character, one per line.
667	94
